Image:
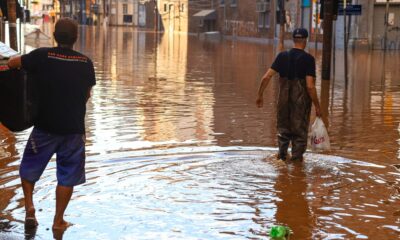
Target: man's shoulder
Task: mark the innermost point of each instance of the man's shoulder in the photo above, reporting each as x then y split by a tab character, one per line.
83	56
283	53
43	49
309	56
78	53
40	50
305	56
69	55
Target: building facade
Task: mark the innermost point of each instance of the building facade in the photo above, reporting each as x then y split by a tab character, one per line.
255	19
375	31
174	15
246	18
123	12
135	13
83	11
259	19
235	18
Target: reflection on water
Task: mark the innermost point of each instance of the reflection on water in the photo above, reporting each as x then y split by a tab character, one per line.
178	150
292	208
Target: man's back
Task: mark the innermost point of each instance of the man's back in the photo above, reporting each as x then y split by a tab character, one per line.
301	64
62	79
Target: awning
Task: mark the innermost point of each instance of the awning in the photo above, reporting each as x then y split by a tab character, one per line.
209	14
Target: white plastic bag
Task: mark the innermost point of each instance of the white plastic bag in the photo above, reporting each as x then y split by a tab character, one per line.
319	136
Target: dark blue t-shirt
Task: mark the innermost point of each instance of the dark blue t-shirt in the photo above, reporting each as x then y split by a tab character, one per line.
301	64
62	78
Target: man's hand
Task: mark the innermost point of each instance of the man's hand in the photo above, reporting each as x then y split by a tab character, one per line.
260	102
312	92
14	62
264	83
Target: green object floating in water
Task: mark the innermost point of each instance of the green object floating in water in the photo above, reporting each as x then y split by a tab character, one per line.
279	233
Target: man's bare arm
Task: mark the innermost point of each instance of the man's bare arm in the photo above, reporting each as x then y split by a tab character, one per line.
14	62
89	94
264	83
312	92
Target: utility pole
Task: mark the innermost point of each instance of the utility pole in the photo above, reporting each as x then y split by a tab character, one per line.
155	16
224	26
316	26
2	30
62	7
71	13
386	25
12	22
282	24
327	40
345	38
334	49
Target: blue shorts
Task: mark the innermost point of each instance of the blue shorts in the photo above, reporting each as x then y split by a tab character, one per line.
70	152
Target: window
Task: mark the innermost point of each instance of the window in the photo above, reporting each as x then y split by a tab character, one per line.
127	18
165	7
263	20
263	5
182	7
222	3
125	9
266	20
233	3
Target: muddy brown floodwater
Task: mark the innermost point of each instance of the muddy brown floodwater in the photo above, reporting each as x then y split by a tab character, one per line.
176	148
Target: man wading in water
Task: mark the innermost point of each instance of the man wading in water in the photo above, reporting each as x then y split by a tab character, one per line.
63	80
296	69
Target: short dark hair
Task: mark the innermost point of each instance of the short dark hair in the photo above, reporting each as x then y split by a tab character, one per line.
66	31
299	40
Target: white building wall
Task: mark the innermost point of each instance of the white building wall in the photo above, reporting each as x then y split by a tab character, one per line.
117	12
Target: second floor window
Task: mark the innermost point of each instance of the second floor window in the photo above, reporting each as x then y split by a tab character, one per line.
125	9
263	20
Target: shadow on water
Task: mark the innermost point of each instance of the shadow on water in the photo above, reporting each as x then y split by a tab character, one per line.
173	145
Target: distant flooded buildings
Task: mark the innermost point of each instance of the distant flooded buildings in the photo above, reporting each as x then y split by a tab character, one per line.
256	20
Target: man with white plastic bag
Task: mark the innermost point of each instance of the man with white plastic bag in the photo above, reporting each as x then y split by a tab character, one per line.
319	138
296	93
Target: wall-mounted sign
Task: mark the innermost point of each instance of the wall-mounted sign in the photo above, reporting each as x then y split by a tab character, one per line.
351	10
391	19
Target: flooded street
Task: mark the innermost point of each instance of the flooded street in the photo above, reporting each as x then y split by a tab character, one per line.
177	149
